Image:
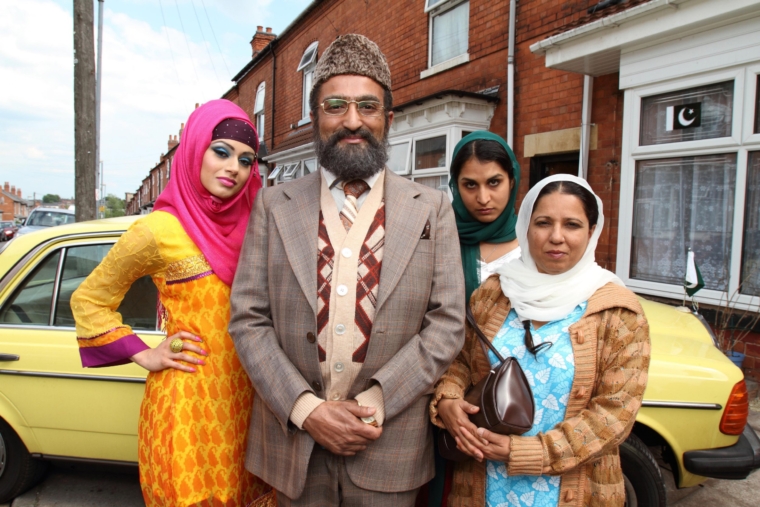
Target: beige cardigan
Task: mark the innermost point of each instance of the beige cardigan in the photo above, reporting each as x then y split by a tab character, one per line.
611	348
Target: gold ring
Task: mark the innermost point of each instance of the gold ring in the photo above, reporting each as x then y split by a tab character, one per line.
176	345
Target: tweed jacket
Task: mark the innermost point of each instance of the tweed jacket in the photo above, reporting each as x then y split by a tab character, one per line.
611	348
417	331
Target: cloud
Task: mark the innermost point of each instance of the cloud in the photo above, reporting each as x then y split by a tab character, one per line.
151	82
153	75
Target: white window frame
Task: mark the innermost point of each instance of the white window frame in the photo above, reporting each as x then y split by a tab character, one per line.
740	142
306	163
307	65
437	3
290	172
407	164
433	12
275	172
258	110
430	134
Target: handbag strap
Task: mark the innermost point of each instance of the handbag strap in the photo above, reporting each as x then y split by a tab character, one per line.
479	333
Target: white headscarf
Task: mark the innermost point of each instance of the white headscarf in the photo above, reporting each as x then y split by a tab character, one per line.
543	297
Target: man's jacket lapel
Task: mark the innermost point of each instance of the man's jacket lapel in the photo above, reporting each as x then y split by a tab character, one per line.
405	219
298	222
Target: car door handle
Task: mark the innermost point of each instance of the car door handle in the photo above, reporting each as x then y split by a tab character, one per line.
8	357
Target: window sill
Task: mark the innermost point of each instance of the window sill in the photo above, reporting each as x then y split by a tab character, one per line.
448	64
301	123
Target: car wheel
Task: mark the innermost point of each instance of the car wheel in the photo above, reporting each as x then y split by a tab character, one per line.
18	470
644	486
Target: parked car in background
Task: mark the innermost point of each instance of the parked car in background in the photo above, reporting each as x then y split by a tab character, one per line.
7	230
693	418
40	218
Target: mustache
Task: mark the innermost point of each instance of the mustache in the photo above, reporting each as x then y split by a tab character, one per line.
344	133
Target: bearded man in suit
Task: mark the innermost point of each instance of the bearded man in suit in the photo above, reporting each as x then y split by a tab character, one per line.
348	305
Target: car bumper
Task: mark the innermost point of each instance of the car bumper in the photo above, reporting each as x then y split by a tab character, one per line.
733	463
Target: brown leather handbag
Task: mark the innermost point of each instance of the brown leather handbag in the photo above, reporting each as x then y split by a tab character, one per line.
504	397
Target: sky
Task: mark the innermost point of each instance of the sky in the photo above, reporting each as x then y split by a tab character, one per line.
160	58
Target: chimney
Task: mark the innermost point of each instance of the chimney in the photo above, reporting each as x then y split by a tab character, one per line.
172	142
13	189
18	192
261	40
7	187
181	128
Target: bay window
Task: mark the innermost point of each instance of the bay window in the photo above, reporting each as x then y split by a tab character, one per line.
690	179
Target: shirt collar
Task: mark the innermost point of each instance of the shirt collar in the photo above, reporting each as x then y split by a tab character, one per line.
333	180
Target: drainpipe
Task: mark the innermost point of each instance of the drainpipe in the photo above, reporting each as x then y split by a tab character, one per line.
511	76
588	86
274	69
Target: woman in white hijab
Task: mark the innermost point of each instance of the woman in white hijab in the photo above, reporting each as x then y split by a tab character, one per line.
583	343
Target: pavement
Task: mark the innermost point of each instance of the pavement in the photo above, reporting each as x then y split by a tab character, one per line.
84	486
90	486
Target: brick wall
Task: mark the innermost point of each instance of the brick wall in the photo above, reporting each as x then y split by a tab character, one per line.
400	28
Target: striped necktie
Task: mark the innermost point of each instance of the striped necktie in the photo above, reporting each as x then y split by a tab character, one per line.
353	189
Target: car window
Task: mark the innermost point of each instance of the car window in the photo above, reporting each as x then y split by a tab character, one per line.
30	305
31	302
137	309
50	218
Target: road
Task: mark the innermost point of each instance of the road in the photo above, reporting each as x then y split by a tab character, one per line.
87	486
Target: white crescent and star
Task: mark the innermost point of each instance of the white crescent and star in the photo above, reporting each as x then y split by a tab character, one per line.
683	121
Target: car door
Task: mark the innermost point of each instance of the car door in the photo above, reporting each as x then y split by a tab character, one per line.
72	411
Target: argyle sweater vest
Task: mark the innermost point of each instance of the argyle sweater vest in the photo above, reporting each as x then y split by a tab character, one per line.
367	282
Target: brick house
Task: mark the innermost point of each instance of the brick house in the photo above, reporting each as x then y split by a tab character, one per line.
141	202
12	205
595	85
679	122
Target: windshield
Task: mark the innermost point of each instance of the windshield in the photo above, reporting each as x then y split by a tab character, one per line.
3	225
49	218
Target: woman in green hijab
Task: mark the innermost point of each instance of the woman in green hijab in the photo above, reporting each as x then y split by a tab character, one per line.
485	178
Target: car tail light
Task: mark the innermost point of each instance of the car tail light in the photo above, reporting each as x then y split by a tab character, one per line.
737	410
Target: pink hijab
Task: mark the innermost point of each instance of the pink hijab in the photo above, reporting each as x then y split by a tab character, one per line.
217	227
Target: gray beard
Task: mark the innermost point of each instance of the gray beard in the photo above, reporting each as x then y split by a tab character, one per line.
351	162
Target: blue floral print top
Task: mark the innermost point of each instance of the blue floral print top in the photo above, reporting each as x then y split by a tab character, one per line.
550	375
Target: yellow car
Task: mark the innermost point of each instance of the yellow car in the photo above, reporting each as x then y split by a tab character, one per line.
693	418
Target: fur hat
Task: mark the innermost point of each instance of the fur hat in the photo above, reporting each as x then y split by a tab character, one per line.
353	54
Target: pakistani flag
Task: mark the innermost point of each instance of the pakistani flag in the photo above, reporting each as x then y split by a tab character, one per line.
692	282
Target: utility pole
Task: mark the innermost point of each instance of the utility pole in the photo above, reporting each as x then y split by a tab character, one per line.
98	83
85	163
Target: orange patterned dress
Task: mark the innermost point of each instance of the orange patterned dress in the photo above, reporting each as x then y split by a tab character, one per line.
193	426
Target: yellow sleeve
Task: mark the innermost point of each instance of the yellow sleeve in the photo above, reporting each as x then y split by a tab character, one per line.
103	338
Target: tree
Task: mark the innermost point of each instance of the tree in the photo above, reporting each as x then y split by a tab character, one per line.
114	206
51	198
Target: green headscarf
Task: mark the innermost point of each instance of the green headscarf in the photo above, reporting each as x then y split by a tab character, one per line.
471	231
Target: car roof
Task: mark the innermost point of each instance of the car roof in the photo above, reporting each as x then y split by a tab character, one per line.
20	246
56	210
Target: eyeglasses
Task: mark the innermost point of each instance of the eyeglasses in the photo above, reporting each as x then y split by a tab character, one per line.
339	107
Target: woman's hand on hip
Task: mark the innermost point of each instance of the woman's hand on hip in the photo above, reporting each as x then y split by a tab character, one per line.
489	445
455	416
162	356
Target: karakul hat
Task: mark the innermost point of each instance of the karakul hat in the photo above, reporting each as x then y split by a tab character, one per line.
353	54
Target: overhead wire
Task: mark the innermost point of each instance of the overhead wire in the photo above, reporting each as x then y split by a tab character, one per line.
204	41
189	52
169	42
224	60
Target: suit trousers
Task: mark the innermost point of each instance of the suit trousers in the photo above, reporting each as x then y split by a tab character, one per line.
328	485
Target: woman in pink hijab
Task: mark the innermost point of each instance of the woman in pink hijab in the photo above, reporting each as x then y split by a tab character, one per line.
195	413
